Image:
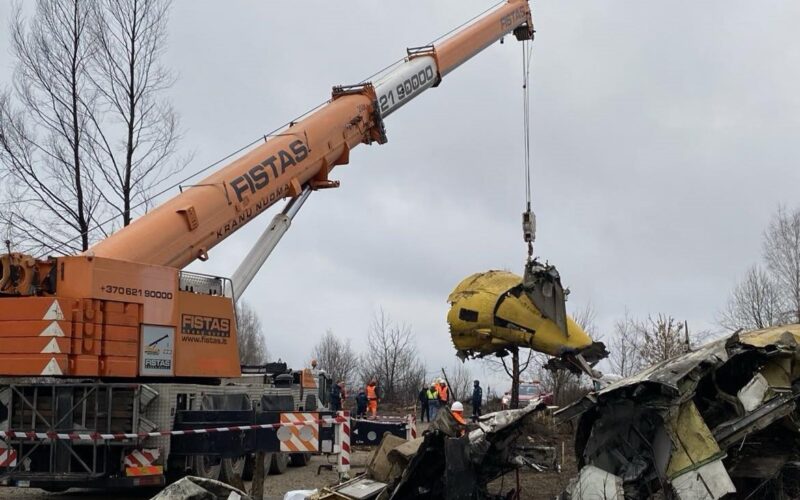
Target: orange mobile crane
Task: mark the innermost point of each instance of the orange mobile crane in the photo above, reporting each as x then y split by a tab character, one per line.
120	339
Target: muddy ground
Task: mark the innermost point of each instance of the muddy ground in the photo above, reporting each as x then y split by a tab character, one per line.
534	485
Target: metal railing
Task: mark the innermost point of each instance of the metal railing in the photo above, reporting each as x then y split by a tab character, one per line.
205	284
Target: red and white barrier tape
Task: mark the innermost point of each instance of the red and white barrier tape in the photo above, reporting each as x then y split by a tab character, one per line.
96	436
384	419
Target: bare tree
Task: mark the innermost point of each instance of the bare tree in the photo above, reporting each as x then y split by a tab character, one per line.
514	368
756	302
138	132
625	355
460	382
414	381
54	200
392	358
337	357
782	256
586	318
83	134
661	338
564	384
252	344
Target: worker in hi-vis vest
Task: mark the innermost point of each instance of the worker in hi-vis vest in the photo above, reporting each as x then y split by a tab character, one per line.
444	395
372	397
433	402
457	410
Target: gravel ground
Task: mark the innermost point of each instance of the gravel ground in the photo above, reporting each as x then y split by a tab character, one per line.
294	478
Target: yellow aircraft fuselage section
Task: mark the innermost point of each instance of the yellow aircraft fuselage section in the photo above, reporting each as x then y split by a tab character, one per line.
490	313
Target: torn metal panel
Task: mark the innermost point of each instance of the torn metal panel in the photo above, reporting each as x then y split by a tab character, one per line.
736	429
446	466
460	480
199	488
785	337
380	466
361	488
402	454
708	482
778	372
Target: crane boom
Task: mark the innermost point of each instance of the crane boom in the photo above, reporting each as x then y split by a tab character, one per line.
266	243
186	227
124	308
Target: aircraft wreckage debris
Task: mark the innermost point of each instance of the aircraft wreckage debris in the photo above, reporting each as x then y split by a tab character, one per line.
720	420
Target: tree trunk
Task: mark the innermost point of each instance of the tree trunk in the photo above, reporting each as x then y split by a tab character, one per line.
259	475
515	378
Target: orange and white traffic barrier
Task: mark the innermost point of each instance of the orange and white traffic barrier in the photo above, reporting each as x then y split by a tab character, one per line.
411	427
142	458
302	436
142	463
343	460
145	470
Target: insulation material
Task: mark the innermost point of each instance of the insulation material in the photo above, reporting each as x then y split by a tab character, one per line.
753	393
595	483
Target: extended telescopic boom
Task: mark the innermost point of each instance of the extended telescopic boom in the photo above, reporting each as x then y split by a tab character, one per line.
187	226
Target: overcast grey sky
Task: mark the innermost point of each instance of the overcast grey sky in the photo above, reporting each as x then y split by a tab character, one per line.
664	136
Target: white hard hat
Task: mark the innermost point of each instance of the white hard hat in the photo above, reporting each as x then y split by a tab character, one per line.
457	406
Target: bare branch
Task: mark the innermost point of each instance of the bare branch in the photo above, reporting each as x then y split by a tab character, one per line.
782	256
337	357
625	347
84	131
755	302
252	343
392	358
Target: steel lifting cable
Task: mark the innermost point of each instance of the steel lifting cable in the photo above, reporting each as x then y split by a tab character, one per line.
528	218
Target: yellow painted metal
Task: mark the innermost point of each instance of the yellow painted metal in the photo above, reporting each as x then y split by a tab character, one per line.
692	441
777	334
490	312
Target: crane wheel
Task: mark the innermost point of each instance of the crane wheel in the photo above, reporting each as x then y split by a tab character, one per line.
300	459
280	462
233	468
207	466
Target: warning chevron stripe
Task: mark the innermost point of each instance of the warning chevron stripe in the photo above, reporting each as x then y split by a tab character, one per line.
141	458
8	457
299	438
97	436
344	439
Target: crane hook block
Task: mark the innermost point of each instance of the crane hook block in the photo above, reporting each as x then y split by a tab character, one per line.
529	226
